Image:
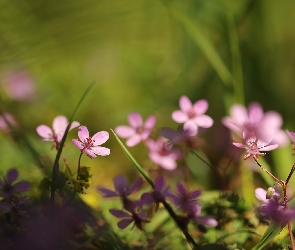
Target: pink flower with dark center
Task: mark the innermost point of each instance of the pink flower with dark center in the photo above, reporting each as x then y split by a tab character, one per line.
138	130
254	146
255	123
8	187
57	131
90	145
192	115
7	120
162	153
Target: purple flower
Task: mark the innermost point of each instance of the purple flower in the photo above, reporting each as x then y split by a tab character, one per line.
162	153
7	120
57	131
185	200
127	218
158	195
254	146
138	130
192	115
195	214
8	189
90	145
253	122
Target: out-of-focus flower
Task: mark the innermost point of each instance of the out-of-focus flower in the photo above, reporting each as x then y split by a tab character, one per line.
192	115
254	146
127	218
162	153
8	189
19	86
90	145
7	120
184	199
138	130
180	136
158	195
255	123
195	214
57	131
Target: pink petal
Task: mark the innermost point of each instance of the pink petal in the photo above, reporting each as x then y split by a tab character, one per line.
59	124
152	145
231	124
239	114
272	119
90	153
100	138
135	120
45	132
269	147
83	133
201	106
121	183
134	140
185	103
150	122
191	128
204	121
102	151
239	145
260	194
11	175
124	223
124	131
208	221
291	135
280	138
255	113
78	144
179	116
167	163
74	125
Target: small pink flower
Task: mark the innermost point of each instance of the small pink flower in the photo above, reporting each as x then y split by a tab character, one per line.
90	145
254	122
192	115
57	131
254	146
138	130
7	120
291	135
162	153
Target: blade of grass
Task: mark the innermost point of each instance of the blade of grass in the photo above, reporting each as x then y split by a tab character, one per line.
55	165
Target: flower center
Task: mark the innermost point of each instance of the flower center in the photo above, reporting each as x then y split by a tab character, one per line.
89	142
191	113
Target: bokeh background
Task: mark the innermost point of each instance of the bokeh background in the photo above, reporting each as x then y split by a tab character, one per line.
142	55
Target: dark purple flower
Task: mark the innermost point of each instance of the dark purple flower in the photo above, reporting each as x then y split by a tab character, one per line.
185	200
138	130
90	145
195	214
128	218
162	153
192	115
254	122
158	195
8	189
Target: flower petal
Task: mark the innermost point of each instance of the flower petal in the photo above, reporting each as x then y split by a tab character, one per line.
107	193
124	223
190	128
133	140
135	120
255	113
100	138
185	103
90	152
179	116
121	184
119	213
150	122
200	107
11	175
260	194
74	125
135	185
59	124
83	133
124	131
204	121
78	144
45	132
159	183
21	186
102	151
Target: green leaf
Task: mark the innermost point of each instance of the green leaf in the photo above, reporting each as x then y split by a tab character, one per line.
271	232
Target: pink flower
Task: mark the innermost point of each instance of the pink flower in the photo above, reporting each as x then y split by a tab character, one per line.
254	123
19	86
90	145
138	130
192	115
162	153
7	120
291	135
57	131
254	146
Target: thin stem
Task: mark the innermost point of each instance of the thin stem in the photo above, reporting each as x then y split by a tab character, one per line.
290	174
78	172
269	173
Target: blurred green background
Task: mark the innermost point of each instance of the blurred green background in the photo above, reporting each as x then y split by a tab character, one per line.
142	55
